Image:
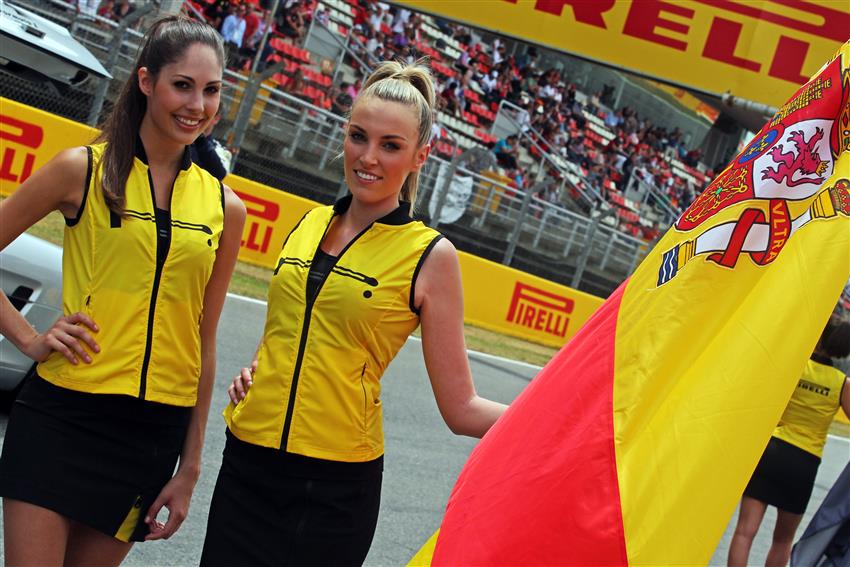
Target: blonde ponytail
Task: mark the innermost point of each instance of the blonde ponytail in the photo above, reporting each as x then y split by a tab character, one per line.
410	85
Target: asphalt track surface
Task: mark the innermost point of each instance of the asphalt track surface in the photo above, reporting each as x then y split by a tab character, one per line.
423	458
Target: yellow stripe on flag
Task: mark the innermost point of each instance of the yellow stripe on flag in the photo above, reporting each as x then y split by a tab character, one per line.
425	553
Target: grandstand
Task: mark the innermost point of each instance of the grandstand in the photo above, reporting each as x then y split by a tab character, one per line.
592	185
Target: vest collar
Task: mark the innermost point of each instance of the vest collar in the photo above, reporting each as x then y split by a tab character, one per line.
398	216
185	161
821	359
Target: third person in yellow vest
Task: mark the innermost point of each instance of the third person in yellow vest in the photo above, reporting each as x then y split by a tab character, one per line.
785	475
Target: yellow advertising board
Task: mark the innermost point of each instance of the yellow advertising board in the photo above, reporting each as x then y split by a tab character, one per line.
497	298
756	49
515	303
29	138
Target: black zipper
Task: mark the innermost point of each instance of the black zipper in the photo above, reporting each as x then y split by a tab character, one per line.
365	397
290	406
143	381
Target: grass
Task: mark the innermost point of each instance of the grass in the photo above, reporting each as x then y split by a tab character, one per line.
252	281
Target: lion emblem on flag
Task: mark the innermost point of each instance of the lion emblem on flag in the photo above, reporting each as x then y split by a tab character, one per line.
806	161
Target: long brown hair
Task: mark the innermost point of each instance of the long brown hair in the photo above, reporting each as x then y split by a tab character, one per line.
165	42
410	85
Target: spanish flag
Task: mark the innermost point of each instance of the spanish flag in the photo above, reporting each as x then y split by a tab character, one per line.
634	444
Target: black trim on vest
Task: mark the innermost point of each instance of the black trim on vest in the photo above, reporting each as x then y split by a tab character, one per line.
221	190
162	248
185	160
419	267
76	219
398	216
819	358
294	228
358	276
302	343
114	219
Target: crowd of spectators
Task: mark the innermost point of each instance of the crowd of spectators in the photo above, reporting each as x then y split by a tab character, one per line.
554	115
114	10
242	24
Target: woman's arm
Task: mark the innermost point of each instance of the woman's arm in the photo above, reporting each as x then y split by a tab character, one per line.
56	186
439	298
845	397
177	494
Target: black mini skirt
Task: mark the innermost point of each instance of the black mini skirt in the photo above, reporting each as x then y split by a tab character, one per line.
98	459
784	477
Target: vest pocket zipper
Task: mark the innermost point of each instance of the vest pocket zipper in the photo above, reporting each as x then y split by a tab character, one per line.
365	400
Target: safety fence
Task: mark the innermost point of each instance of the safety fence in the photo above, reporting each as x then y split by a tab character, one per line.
287	141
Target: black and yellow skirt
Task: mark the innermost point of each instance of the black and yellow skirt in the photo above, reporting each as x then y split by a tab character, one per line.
98	459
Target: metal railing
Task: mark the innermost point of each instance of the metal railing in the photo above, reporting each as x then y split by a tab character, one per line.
589	199
290	143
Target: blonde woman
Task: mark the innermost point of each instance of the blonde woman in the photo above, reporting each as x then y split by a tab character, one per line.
301	477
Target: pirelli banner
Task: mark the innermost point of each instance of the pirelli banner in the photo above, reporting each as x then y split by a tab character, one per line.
497	298
756	49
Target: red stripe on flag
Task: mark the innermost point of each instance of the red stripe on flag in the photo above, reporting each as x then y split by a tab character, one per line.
541	488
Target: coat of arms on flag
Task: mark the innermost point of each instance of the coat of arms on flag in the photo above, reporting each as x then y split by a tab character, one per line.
776	175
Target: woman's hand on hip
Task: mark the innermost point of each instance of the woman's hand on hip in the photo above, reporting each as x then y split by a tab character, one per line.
66	336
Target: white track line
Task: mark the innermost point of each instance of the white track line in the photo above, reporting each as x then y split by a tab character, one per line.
248	299
473	353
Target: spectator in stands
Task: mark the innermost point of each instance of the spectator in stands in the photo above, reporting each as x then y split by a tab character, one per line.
507	151
87	9
613	119
378	18
449	98
322	16
400	20
692	157
352	90
233	30
595	103
380	53
249	37
311	495
405	54
295	86
341	100
122	9
216	12
360	18
104	10
462	63
294	26
577	151
498	54
528	60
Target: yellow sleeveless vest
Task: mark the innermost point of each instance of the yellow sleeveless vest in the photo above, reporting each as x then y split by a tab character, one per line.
817	397
317	389
149	318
